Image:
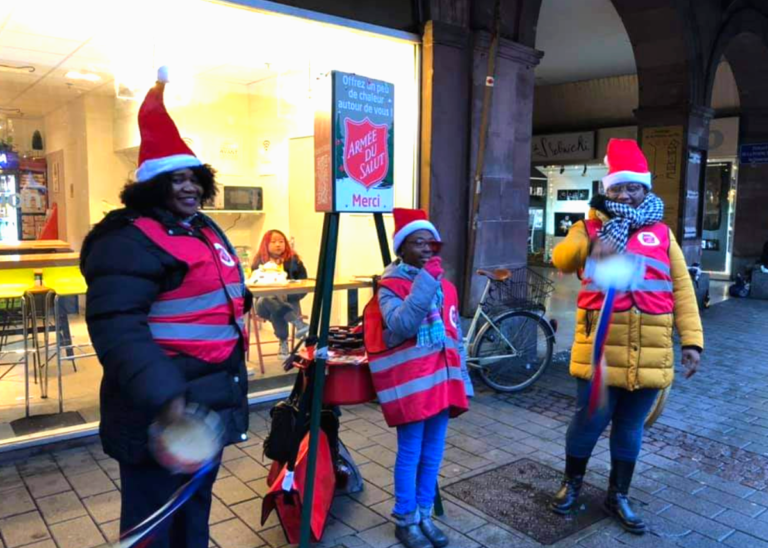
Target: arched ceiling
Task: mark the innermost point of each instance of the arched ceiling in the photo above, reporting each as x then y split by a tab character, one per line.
581	40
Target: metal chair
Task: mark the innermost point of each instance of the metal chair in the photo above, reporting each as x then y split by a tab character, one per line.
13	290
63	281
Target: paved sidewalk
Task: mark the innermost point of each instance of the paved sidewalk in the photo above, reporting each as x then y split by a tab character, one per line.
702	480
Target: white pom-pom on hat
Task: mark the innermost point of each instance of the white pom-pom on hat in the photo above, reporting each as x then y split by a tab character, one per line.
162	74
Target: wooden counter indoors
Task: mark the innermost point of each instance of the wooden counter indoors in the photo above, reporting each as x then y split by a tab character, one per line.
305	286
34	246
39	260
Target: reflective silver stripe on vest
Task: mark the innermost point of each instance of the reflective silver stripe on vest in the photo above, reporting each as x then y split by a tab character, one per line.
645	285
235	291
186	305
658	265
379	365
420	385
193	332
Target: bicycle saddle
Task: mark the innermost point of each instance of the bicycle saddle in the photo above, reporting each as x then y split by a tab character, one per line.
497	275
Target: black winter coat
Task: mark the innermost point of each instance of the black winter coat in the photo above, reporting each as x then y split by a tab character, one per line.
126	272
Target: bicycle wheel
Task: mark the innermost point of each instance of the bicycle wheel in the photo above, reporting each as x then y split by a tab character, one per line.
513	350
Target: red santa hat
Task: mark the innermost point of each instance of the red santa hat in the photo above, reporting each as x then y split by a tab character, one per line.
162	148
408	221
626	164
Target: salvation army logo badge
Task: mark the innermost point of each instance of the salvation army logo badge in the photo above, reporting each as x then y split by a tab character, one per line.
454	315
366	152
224	255
648	239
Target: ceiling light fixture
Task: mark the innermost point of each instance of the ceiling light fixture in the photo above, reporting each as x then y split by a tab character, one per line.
17	68
77	75
562	170
584	173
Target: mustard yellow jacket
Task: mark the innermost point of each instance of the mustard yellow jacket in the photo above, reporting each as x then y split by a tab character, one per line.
639	350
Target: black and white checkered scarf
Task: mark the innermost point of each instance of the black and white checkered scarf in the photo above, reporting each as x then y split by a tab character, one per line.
626	219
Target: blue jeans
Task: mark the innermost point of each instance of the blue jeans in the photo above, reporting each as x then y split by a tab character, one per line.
278	312
625	409
420	447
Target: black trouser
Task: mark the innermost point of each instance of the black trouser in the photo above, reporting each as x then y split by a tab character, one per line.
146	487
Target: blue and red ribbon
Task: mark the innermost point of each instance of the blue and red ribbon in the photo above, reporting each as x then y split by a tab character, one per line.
142	534
598	386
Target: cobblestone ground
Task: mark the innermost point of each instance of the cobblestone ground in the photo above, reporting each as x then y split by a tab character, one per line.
702	479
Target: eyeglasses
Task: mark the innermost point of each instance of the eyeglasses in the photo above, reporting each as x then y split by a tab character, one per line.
422	244
630	188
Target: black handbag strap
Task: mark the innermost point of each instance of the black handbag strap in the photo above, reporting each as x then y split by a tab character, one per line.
304	393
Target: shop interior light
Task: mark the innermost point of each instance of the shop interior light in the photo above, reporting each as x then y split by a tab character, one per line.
87	76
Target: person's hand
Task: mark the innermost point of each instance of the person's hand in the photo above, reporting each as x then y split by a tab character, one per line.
601	250
173	411
691	360
434	267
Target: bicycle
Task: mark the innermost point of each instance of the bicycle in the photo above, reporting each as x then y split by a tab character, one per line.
510	342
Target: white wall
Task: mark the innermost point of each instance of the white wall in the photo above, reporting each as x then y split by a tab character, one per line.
22	130
66	131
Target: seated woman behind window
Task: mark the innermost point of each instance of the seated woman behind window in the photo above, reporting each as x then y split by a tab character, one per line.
281	310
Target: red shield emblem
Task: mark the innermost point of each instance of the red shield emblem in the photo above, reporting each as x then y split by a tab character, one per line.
366	152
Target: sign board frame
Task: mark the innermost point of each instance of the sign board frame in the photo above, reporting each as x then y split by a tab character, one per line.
354	145
663	148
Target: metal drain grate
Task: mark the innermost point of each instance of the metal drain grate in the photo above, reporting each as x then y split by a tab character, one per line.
518	494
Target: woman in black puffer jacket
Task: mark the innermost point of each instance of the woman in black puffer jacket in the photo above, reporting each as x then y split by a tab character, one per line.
165	311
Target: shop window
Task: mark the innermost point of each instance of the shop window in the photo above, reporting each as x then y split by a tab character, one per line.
242	91
717	181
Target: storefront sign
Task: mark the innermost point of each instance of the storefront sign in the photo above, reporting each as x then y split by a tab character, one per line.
692	196
354	145
9	160
663	149
563	147
754	153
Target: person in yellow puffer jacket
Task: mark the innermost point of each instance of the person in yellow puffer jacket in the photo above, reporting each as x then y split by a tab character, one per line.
639	347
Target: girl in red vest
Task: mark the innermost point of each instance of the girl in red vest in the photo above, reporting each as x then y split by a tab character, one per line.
417	360
639	347
165	305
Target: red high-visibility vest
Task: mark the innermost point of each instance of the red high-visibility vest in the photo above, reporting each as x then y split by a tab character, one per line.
654	295
415	383
203	317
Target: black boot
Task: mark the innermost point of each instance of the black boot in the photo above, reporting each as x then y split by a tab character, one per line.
430	530
617	502
564	502
408	531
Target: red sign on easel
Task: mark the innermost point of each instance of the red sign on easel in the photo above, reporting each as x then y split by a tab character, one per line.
366	154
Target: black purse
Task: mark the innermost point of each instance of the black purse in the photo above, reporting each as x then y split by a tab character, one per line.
289	423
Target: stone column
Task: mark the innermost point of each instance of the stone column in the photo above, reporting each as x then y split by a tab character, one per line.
445	102
503	219
675	141
751	223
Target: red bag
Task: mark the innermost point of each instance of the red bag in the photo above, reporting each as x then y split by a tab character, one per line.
348	384
289	503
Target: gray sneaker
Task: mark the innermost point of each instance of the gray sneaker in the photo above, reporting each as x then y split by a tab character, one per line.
284	351
301	327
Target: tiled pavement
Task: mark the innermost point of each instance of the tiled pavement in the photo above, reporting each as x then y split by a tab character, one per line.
702	480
